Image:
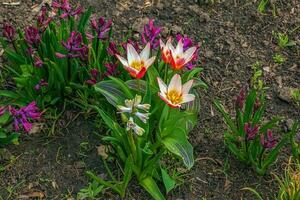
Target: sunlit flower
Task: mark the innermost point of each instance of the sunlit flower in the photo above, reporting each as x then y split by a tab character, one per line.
136	64
250	131
179	57
165	50
133	126
175	94
268	142
150	34
187	43
142	116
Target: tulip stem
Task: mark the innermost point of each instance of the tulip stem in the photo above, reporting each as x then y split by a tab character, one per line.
132	145
166	72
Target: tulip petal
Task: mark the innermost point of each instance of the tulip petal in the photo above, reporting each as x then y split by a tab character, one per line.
187	86
169	103
189	54
149	62
179	48
162	86
187	98
145	53
175	83
122	60
132	55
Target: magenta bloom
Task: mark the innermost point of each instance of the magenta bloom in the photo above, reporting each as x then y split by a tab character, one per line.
112	49
133	43
32	36
38	62
151	34
67	9
42	83
268	142
187	43
240	100
75	47
111	69
43	20
9	32
101	27
94	76
24	115
2	110
250	131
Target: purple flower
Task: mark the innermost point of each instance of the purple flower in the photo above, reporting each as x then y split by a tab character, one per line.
112	49
67	9
75	47
32	36
42	19
240	100
23	115
150	34
101	27
91	82
111	69
256	105
94	73
30	51
187	43
38	62
268	142
42	83
133	43
9	32
251	132
2	110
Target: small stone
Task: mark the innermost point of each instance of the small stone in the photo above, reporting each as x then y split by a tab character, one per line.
289	124
176	29
79	165
139	24
5	154
209	54
284	94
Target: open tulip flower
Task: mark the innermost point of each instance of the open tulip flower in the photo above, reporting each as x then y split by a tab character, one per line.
178	58
136	64
175	94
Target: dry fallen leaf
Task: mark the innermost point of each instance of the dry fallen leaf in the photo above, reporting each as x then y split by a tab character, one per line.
36	128
102	151
34	194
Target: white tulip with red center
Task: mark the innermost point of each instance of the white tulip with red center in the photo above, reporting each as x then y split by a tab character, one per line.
165	50
175	94
136	64
179	58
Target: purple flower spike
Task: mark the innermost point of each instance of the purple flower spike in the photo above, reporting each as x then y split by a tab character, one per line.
133	43
9	32
112	49
251	132
240	100
151	34
38	62
32	36
66	7
268	142
42	83
73	42
94	73
43	20
23	115
2	110
111	69
101	27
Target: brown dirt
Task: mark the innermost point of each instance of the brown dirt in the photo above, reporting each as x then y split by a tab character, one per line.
232	36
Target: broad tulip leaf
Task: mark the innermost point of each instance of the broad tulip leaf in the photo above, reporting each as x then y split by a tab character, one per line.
168	181
150	185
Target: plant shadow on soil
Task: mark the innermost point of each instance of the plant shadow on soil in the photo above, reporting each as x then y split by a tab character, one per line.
232	36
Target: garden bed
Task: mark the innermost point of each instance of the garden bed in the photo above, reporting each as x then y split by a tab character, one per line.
232	36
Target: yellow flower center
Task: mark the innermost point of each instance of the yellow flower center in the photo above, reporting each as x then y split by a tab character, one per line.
137	65
174	96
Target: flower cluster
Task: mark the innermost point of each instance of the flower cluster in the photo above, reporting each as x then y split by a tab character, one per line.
43	20
101	27
150	34
75	47
250	131
9	32
268	141
132	108
65	6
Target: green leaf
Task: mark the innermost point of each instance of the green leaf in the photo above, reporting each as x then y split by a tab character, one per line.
123	87
168	181
226	116
14	57
84	19
150	185
4	118
249	105
137	85
178	144
127	173
10	94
